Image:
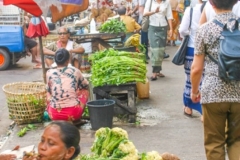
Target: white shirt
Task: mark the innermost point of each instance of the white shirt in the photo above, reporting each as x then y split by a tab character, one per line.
158	19
210	13
236	9
194	3
183	29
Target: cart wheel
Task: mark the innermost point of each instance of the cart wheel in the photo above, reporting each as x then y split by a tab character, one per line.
4	59
131	118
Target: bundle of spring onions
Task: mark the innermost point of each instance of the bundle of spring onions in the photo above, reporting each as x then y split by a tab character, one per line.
111	67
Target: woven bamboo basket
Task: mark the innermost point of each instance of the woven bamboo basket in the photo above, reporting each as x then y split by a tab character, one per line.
49	39
26	101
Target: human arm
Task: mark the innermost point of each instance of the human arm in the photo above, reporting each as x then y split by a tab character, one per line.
203	18
147	11
50	49
77	48
196	76
48	86
183	29
197	66
169	17
137	27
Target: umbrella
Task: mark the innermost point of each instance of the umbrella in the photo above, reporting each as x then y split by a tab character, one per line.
58	8
37	28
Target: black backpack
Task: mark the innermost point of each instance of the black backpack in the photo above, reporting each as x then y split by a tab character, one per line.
229	52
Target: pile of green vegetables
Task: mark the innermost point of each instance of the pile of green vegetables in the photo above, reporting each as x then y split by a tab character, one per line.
113	26
111	67
111	144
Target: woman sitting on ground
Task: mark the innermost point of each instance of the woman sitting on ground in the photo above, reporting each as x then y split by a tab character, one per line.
60	140
66	90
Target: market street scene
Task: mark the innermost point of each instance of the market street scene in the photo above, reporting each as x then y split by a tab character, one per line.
119	80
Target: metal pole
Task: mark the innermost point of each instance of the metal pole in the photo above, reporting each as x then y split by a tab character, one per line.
42	59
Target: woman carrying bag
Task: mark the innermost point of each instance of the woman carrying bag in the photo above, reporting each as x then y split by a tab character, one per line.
158	11
189	26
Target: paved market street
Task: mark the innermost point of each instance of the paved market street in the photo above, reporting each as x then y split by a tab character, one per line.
166	129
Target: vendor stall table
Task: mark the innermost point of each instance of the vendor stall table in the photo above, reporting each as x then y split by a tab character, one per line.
104	92
98	38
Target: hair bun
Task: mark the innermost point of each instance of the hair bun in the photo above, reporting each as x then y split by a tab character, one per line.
61	56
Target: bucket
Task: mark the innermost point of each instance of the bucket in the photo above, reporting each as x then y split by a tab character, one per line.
101	113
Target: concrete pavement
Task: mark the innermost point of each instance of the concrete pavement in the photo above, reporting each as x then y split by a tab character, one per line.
173	132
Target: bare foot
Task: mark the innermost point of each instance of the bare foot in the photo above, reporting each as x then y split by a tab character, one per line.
7	157
36	61
37	66
202	118
187	111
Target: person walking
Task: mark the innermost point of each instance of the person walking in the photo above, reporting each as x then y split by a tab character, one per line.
220	100
183	31
157	32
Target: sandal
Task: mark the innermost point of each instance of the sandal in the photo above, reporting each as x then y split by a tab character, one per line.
160	75
153	78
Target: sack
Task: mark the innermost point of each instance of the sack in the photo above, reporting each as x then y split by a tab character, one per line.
229	52
179	57
145	23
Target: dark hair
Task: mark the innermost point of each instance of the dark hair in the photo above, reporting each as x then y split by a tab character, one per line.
70	135
121	10
61	56
223	4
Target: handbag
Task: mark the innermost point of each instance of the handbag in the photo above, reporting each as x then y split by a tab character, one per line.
179	57
145	20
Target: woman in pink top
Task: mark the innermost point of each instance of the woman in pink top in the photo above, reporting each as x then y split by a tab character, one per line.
65	89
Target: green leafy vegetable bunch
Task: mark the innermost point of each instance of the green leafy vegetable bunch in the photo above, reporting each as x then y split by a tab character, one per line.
113	26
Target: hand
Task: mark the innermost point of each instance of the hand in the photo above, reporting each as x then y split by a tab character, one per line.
170	33
195	97
157	10
30	156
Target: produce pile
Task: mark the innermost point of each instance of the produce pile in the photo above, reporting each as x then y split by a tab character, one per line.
113	144
113	26
111	67
101	15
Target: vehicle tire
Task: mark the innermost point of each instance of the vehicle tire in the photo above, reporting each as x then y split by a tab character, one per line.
4	59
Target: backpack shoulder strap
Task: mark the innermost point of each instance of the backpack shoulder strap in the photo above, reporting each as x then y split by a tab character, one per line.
218	23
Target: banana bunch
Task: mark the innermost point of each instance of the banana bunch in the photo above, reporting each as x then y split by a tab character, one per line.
133	40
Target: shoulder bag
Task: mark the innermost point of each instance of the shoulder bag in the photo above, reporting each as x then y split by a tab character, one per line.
145	20
179	57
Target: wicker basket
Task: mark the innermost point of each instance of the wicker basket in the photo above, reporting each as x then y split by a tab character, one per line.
49	39
26	101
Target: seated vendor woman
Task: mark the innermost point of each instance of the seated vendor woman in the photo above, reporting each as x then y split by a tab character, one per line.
66	90
75	50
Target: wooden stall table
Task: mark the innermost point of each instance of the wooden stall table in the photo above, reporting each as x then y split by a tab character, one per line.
99	38
104	92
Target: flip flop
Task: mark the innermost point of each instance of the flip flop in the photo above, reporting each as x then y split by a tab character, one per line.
160	75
